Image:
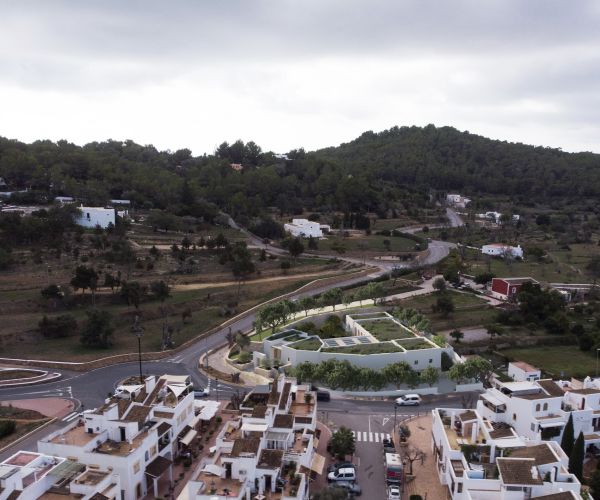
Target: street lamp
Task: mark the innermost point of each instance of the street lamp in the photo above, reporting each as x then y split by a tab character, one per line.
138	330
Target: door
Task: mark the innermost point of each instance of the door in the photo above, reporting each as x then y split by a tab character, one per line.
228	470
123	436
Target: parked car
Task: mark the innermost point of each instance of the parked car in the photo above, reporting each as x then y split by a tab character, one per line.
388	446
408	400
201	393
345	474
350	487
340	465
323	396
394	492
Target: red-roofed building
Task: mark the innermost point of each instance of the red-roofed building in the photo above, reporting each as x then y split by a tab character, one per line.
508	288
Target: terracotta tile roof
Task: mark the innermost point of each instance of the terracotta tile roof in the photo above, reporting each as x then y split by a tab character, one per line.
158	466
541	453
285	394
248	445
98	496
551	387
533	397
563	495
501	430
303	420
465	416
274	394
163	414
259	411
163	427
518	471
284	421
152	396
138	413
525	366
585	391
270	459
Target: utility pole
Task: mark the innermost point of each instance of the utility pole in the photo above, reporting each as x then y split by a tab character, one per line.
138	330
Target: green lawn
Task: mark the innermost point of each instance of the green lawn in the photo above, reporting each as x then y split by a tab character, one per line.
381	348
414	346
386	329
307	345
372	243
559	361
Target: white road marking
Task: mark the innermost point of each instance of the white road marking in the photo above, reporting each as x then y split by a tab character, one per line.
69	416
376	436
370	437
385	420
72	417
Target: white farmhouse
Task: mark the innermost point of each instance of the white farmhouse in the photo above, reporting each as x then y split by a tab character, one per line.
520	371
502	250
306	228
457	200
96	216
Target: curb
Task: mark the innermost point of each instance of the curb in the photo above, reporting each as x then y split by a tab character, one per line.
52	378
24	436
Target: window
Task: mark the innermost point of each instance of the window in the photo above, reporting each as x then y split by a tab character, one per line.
545	406
136	467
416	361
153	450
147	455
533	427
514	416
430	360
459	487
537	407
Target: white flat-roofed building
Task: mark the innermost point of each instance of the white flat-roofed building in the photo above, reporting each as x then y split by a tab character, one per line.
502	250
96	216
520	371
305	228
274	431
478	459
137	433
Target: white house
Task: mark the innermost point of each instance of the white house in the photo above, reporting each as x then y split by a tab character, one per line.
457	200
253	452
64	199
96	216
539	410
27	474
306	228
136	433
502	250
479	459
520	371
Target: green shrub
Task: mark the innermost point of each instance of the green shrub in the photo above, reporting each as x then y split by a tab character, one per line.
7	427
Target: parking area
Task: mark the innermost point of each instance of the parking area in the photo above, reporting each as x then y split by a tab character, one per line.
369	432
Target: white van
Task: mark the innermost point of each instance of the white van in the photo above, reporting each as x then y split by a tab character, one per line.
408	400
347	474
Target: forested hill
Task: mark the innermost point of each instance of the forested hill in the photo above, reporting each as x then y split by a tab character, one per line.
377	172
447	159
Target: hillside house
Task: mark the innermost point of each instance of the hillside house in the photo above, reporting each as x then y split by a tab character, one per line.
508	288
520	371
96	216
305	228
502	250
458	201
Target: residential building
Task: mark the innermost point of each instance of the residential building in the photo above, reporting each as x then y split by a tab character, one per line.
96	216
573	292
238	167
64	199
508	288
502	250
258	452
305	228
26	475
520	371
479	459
539	410
380	331
137	433
457	200
495	217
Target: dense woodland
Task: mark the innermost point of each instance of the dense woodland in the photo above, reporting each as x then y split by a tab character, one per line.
377	172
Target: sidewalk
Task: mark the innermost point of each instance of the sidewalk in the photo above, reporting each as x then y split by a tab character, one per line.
426	479
50	407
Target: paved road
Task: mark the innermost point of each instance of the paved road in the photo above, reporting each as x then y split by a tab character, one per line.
91	388
371	422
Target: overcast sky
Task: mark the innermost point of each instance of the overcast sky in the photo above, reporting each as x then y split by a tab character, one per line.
304	73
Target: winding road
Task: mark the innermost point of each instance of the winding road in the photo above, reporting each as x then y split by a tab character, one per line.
90	389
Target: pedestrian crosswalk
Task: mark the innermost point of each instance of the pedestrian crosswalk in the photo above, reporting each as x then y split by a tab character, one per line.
370	437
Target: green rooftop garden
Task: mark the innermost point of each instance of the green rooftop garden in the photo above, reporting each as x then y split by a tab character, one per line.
311	344
380	348
413	346
386	329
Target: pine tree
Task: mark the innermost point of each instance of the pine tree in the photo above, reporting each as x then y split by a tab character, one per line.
568	437
576	457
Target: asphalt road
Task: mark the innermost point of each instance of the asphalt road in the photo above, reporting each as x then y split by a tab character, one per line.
91	388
